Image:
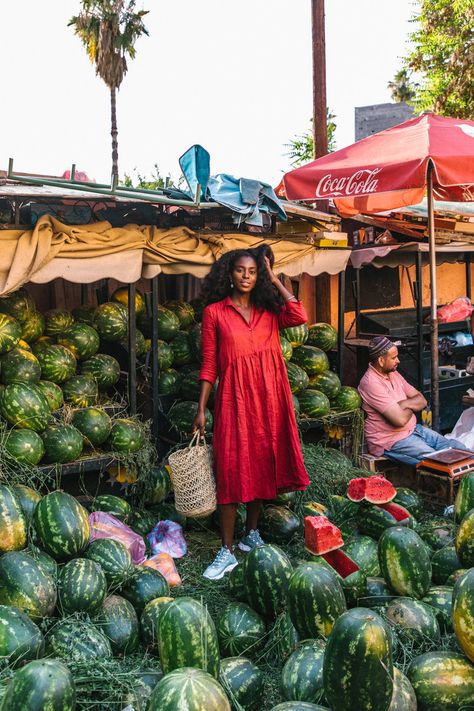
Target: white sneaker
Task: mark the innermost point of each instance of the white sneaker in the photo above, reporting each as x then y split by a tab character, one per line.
251	540
223	563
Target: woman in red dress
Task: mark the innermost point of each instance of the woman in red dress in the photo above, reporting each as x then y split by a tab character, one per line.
256	447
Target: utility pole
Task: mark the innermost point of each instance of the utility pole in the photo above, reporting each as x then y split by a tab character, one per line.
320	133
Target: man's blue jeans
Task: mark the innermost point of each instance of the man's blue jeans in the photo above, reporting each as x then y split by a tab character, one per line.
420	444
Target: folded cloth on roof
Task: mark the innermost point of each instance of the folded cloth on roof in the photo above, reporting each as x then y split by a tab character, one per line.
250	199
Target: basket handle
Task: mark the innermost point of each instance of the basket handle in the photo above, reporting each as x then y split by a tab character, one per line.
195	440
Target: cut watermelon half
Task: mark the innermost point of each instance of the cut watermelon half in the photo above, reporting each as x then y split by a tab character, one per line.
379	490
341	563
321	536
399	513
356	489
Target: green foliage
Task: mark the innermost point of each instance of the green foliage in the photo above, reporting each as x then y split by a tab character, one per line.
401	87
301	147
154	182
443	54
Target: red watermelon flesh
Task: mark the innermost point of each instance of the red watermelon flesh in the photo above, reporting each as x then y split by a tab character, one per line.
341	563
356	489
320	535
399	513
378	490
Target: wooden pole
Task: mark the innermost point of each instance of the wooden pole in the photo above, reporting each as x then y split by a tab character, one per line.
320	133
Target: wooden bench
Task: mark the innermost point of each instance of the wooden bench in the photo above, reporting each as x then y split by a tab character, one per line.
396	472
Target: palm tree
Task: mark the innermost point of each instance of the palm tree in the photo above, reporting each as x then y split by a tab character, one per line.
401	87
108	29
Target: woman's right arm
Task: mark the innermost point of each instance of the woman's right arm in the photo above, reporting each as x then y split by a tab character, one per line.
208	372
199	422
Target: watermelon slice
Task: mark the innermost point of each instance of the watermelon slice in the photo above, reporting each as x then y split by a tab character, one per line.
399	513
341	563
356	489
378	490
320	535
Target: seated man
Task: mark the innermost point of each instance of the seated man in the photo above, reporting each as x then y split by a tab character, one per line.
390	404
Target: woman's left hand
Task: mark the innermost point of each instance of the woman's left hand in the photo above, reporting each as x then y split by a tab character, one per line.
273	278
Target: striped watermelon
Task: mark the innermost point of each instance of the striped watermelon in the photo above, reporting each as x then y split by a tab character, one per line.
364	551
444	563
20	637
182	414
62	525
302	675
159	485
81	339
142	521
404	562
243	682
57	363
120	295
236	584
440	598
323	336
315	600
113	557
111	321
414	621
149	622
187	637
184	311
313	360
62	443
297	377
410	500
296	335
464	501
188	689
377	587
313	403
140	344
42	684
93	423
10	333
437	532
454	577
57	321
126	436
20	305
26	446
350	577
81	587
53	394
145	682
41	343
118	621
20	366
465	541
374	520
347	399
81	390
463	613
278	524
143	585
168	324
443	681
299	706
77	641
267	572
104	368
115	505
26	497
404	697
181	348
283	638
25	584
328	383
359	634
194	335
44	560
13	524
168	382
286	349
26	346
84	313
24	406
240	630
165	355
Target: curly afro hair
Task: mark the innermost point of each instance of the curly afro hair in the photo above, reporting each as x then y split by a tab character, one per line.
217	283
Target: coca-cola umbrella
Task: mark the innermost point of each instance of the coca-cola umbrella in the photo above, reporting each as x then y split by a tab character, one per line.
395	168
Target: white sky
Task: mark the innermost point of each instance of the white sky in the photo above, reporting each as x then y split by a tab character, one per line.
233	76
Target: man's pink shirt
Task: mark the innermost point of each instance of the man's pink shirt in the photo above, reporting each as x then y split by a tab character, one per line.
378	393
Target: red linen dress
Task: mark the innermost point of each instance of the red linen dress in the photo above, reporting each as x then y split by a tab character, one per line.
256	446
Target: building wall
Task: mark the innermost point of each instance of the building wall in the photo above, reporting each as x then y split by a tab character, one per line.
378	117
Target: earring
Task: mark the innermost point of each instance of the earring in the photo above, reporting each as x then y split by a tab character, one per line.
231	284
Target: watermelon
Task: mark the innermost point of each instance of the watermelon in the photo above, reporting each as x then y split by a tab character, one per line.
298	706
62	525
20	305
358	667
187	637
315	600
168	382
114	559
287	499
465	541
440	598
168	324
104	368
188	689
351	578
313	360
414	621
328	383
13	523
115	505
144	683
283	638
57	363
44	560
84	313
364	551
57	321
378	490
296	335
236	584
377	587
140	344
111	321
26	446
410	500
24	406
464	500
267	573
93	423
243	682
347	399
118	621
183	311
159	485
404	697
20	638
165	355
181	415
25	584
53	394
313	403
80	339
374	520
81	587
62	443
286	349
126	436
149	622
278	524
10	333
297	378
26	497
77	641
42	684
81	390
454	577
194	335
302	675
323	336
240	630
443	681
120	295
444	562
143	585
463	613
404	562
142	521
23	344
20	366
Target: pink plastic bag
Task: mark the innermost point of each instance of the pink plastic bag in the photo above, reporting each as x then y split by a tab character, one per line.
458	310
103	525
167	537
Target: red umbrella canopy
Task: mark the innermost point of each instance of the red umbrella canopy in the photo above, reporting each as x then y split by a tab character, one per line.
388	170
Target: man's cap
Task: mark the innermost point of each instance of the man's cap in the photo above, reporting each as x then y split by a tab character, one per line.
379	345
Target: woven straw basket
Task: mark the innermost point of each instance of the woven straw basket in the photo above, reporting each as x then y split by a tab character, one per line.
193	479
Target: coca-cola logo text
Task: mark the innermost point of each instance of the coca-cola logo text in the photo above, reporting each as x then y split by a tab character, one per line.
360	183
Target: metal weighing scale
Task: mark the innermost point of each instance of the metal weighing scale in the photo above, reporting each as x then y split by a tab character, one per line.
438	475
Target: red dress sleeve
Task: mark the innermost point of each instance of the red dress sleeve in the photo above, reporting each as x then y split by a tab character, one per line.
208	347
293	313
